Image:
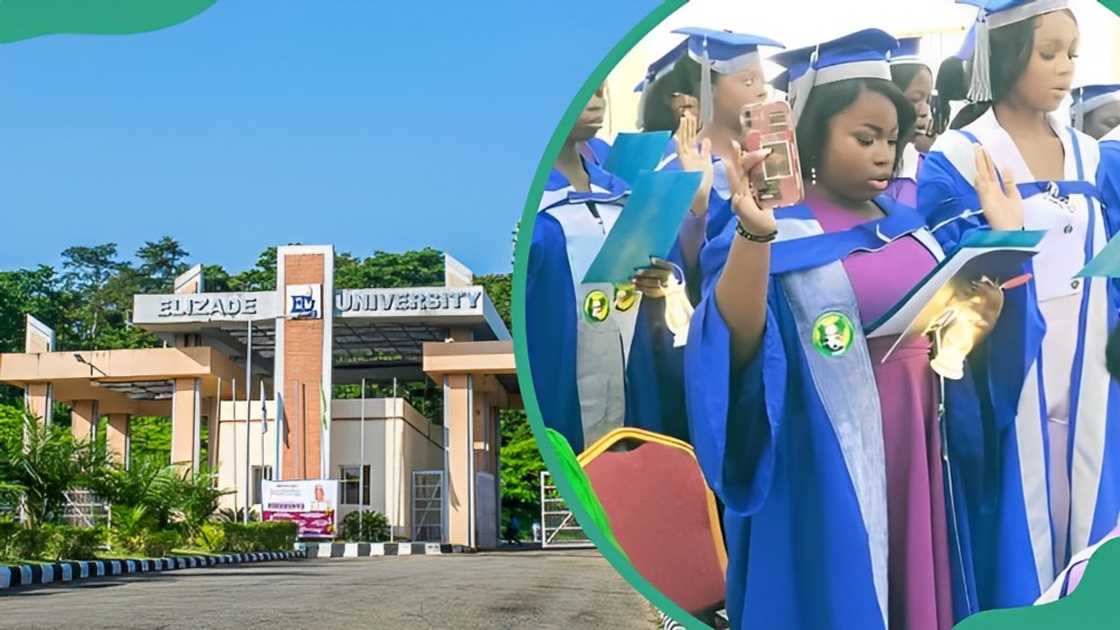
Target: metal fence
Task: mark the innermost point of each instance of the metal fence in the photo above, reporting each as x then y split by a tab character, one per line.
427	505
558	525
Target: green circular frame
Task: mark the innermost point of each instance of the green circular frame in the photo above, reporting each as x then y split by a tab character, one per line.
1090	606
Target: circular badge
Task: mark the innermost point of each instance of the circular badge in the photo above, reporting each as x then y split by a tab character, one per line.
596	306
625	297
833	334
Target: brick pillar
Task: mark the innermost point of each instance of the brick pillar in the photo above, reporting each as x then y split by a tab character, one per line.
38	397
303	367
117	437
83	420
184	422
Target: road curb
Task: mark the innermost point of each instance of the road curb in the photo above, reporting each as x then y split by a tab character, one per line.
369	550
39	574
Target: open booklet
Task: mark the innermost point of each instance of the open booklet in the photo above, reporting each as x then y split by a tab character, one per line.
633	153
999	256
647	227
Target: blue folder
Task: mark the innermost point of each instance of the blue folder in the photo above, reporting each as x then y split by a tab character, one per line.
647	227
633	153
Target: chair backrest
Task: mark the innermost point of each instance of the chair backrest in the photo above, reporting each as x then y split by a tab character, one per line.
662	513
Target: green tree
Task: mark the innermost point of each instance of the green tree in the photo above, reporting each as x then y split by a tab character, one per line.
262	277
160	262
418	268
28	291
521	467
499	287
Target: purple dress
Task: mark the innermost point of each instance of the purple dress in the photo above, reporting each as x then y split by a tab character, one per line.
918	566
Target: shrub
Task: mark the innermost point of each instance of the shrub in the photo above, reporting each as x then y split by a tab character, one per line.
267	536
31	543
130	527
210	537
366	526
159	544
75	543
8	529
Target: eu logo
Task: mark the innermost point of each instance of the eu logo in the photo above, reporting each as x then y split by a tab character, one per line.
303	306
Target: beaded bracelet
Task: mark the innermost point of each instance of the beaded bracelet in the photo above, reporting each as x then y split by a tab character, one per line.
754	238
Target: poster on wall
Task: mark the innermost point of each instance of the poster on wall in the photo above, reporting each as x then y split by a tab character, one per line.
310	503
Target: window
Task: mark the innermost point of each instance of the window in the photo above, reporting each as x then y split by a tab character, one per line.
348	475
256	485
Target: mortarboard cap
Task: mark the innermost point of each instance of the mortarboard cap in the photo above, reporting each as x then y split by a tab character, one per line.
724	52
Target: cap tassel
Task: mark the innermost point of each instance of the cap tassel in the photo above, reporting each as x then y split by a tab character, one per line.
980	89
1079	110
707	113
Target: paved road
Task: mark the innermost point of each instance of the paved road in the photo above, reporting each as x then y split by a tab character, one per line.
530	589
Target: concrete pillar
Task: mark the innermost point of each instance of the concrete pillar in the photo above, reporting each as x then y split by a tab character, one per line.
185	403
38	398
460	474
117	437
83	420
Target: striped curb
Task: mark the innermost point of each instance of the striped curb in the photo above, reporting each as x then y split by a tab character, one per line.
365	550
38	574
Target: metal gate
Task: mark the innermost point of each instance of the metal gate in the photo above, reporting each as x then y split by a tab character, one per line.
558	525
427	506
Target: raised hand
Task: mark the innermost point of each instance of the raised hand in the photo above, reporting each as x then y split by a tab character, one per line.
1001	202
698	159
754	219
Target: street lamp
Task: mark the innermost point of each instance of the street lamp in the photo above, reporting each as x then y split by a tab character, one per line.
80	359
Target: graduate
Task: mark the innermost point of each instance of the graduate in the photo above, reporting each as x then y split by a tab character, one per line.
1050	438
915	78
726	69
666	96
827	458
590	351
1096	109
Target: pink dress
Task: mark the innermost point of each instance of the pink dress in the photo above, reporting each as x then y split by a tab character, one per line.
918	570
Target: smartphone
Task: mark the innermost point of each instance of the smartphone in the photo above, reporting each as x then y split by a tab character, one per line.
777	181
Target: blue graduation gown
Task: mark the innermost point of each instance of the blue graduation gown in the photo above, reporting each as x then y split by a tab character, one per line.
1011	529
1108	179
552	321
793	443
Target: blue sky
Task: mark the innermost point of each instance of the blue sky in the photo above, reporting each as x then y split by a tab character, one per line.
366	124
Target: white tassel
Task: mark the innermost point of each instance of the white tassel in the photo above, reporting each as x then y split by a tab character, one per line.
980	88
707	110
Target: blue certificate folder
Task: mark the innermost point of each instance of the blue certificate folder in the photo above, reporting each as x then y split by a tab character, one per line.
998	255
1105	264
633	153
647	227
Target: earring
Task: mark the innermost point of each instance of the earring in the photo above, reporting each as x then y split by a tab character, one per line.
813	175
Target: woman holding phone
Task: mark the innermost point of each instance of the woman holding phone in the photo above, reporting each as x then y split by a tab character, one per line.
826	457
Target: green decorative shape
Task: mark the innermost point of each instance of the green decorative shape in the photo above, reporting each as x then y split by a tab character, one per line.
1092	605
24	19
1112	5
566	481
581	486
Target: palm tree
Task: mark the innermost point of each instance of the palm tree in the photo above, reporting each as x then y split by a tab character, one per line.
42	463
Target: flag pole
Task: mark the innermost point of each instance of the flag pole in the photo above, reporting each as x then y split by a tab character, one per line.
233	402
264	429
362	468
248	419
396	477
